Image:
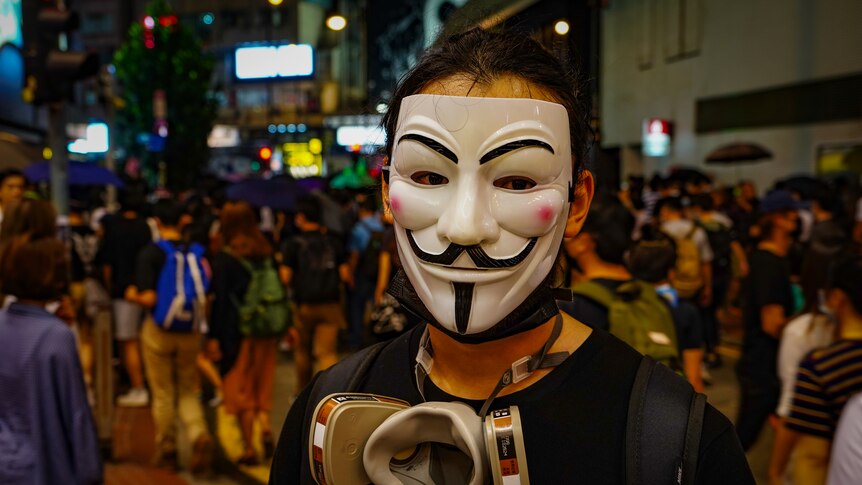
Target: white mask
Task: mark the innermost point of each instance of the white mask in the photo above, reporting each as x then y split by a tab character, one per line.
479	190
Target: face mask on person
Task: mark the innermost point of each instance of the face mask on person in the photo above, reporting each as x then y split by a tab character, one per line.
480	190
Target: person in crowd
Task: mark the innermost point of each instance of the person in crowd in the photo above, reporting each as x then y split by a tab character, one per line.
813	328
827	378
767	308
725	247
363	249
247	361
652	260
315	268
744	213
598	252
170	338
47	432
125	235
827	230
12	185
693	273
845	462
466	188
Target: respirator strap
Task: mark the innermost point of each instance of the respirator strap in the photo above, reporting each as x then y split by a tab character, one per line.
519	370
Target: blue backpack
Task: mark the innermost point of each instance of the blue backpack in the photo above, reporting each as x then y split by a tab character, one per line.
181	290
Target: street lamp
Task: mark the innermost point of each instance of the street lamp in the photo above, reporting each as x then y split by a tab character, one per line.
336	22
275	3
561	27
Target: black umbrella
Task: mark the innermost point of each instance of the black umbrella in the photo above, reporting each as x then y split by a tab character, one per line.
738	153
806	185
688	174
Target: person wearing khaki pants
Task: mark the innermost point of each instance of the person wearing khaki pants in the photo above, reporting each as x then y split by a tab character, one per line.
175	383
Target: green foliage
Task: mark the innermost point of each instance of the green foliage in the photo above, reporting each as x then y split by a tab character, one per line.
177	65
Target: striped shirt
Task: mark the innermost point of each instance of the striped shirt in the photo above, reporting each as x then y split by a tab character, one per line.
827	378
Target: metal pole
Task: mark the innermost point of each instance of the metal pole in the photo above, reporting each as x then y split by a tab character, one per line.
59	160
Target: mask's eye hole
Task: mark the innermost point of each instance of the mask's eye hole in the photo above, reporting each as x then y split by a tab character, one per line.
515	183
429	178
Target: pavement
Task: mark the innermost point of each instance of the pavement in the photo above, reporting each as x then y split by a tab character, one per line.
133	434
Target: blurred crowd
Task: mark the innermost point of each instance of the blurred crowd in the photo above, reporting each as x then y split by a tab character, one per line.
205	293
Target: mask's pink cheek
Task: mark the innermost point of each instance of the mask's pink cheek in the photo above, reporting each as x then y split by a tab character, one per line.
395	203
545	213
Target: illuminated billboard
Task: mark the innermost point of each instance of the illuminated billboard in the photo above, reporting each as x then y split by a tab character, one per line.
10	23
273	61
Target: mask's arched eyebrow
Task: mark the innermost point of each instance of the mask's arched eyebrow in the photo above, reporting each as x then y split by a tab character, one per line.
432	144
512	146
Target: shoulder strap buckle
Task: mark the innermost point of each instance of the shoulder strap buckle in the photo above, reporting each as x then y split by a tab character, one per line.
521	369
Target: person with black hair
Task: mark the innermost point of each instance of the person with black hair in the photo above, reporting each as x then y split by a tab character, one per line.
125	235
827	378
768	306
315	268
726	249
171	280
486	138
652	260
693	275
598	255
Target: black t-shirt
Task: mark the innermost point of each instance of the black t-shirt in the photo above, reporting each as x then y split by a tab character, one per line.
229	284
149	265
124	239
574	419
768	283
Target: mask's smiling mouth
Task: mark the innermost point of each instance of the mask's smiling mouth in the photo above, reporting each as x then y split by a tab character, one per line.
478	255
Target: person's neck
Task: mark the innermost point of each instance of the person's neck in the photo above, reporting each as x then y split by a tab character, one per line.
671	218
594	267
471	371
822	216
170	234
310	227
850	327
779	244
130	215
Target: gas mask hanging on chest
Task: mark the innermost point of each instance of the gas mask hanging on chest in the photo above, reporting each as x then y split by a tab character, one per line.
480	190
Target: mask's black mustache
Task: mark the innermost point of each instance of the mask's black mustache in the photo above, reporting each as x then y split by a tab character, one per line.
477	254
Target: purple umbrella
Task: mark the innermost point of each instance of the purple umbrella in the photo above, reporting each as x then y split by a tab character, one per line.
80	173
276	193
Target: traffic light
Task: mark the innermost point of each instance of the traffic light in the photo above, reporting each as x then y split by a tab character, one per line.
51	69
265	153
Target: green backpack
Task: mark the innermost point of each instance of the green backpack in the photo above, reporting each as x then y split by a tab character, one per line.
637	316
264	310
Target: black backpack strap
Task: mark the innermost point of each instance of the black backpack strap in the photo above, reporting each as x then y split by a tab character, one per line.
665	419
346	376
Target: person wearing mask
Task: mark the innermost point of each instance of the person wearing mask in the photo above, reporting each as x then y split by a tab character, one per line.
827	378
47	432
485	137
693	274
767	308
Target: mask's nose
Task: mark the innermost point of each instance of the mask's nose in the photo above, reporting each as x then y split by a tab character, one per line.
467	219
